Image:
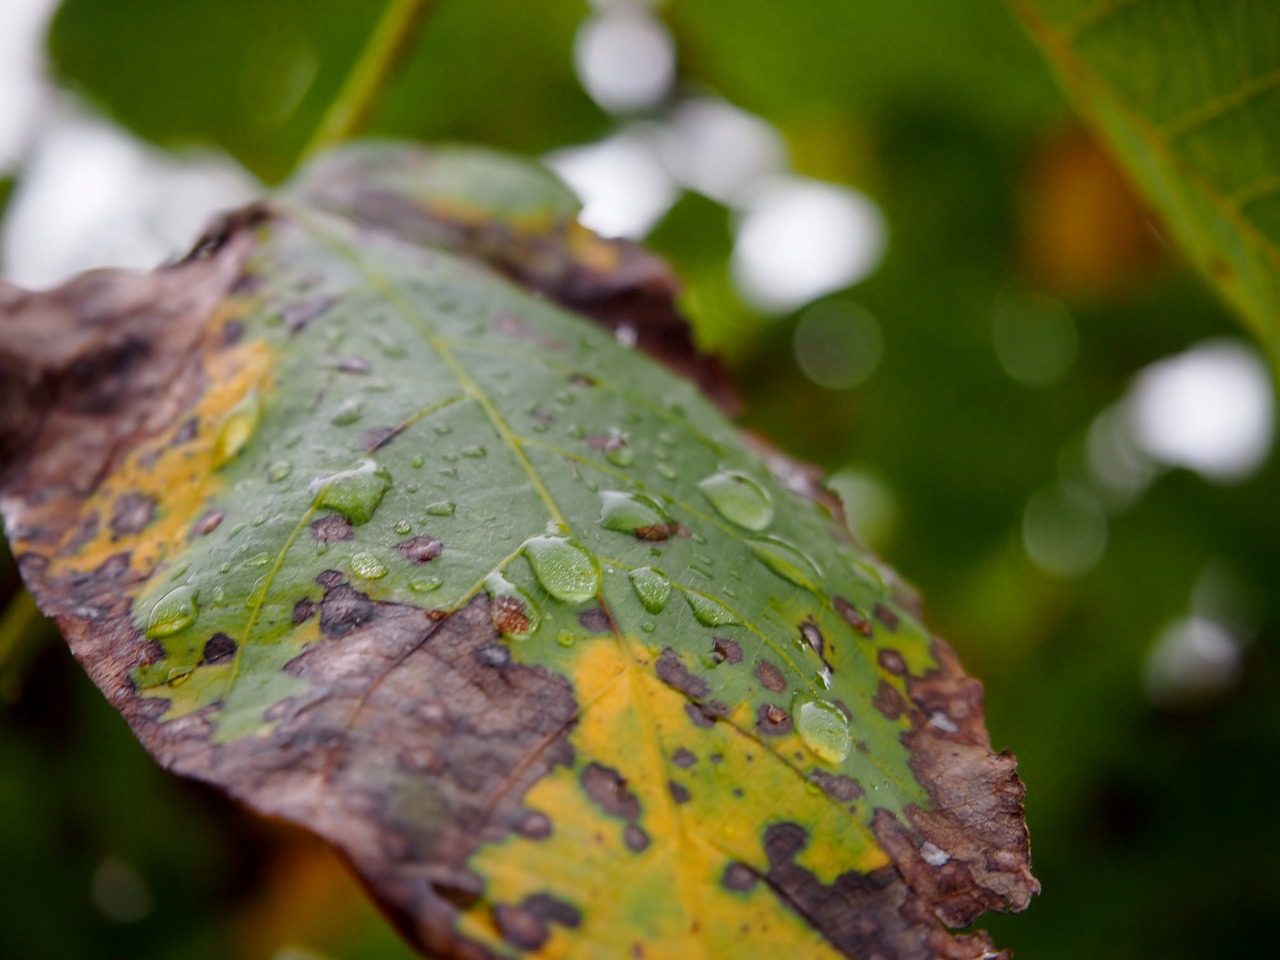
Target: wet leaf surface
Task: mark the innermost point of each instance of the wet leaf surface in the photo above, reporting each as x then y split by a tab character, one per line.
386	544
1186	93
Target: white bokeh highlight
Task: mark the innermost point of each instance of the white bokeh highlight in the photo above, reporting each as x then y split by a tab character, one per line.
622	182
625	58
720	150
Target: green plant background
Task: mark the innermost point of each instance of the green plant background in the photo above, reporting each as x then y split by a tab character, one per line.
1151	829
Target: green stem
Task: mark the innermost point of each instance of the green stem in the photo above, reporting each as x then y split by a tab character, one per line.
372	68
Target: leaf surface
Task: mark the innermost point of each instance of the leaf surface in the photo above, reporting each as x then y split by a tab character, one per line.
349	523
1187	94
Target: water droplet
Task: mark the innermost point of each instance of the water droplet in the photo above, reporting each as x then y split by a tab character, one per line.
442	429
180	675
356	493
788	562
565	638
511	609
237	528
738	499
823	727
257	560
403	527
279	470
173	612
652	587
667	437
179	570
368	567
425	585
450	458
576	431
618	452
648	626
260	519
633	512
444	508
475	453
565	570
710	612
225	568
668	471
237	427
347	414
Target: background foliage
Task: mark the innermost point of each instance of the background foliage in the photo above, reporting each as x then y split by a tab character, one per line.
1149	789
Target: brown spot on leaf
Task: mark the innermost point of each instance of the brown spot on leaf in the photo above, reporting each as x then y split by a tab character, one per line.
739	878
207	523
700	716
376	438
853	616
219	648
534	825
608	789
354	364
635	838
343	609
303	611
674	674
886	616
331	529
725	650
684	759
583	379
553	910
509	615
420	549
493	655
892	662
811	635
520	928
298	314
837	786
595	621
658	532
770	677
889	701
772	720
132	513
186	433
679	792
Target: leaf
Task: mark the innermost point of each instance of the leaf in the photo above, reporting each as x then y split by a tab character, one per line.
380	542
1187	92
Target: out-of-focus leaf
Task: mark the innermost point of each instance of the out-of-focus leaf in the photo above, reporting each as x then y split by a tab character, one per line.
380	543
1187	94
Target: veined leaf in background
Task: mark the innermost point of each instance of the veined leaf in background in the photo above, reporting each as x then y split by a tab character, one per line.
533	728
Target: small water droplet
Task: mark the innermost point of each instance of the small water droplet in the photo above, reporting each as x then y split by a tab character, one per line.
652	587
667	437
668	471
540	427
444	508
738	499
576	431
173	612
356	493
823	727
788	562
347	414
417	462
511	609
321	549
648	626
225	568
425	584
366	566
450	458
710	612
237	427
475	453
260	519
566	638
238	528
403	527
565	569
279	470
179	570
180	675
442	429
633	513
617	451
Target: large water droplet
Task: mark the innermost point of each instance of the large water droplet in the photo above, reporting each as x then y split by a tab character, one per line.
511	609
173	612
347	414
444	508
237	427
738	499
565	570
356	493
788	562
652	587
633	513
823	727
366	566
709	612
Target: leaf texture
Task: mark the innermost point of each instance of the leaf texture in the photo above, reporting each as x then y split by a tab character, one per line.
349	517
1187	91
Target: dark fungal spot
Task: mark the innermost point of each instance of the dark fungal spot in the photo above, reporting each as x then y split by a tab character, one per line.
328	578
636	839
853	616
303	611
534	825
889	701
886	617
219	649
420	549
232	330
595	621
674	674
298	314
725	650
185	433
583	379
657	532
378	437
85	532
892	662
553	910
131	514
770	677
772	720
493	655
679	792
608	789
837	786
331	529
508	615
684	759
738	877
343	609
458	887
520	928
811	635
208	523
354	364
699	716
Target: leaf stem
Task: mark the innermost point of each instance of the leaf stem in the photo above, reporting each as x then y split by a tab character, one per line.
369	74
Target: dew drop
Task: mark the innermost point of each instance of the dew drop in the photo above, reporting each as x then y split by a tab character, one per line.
257	560
823	727
652	587
417	462
565	570
442	429
173	612
576	431
347	414
632	512
648	626
444	508
259	520
709	612
668	471
403	527
566	638
425	584
237	427
366	566
279	470
738	499
787	561
511	609
475	453
356	493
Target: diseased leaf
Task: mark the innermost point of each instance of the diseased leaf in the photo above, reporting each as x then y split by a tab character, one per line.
1187	92
381	542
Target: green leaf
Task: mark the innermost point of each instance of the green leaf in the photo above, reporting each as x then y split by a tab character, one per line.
1187	92
381	542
